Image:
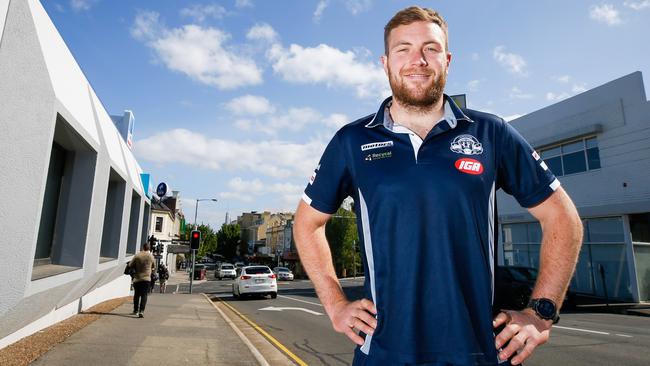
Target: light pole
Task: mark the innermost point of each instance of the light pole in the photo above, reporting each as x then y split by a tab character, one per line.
196	227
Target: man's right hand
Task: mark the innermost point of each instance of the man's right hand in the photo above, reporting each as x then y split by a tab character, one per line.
347	316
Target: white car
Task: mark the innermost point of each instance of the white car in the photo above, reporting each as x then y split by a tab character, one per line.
259	280
225	270
283	273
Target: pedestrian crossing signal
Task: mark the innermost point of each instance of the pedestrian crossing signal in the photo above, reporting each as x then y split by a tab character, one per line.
195	239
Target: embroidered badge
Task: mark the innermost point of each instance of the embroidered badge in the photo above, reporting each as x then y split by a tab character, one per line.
467	145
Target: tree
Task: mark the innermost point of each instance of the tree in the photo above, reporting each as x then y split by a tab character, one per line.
208	240
228	237
342	235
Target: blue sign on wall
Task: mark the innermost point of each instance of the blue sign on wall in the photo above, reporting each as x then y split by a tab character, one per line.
161	190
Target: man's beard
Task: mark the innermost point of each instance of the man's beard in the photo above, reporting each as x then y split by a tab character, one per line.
420	98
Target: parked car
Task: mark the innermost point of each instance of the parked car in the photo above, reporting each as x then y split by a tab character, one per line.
225	270
240	264
283	273
199	272
259	280
514	285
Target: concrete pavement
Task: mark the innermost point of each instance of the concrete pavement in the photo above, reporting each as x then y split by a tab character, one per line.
177	329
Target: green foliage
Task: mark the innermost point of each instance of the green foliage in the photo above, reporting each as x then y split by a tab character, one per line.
342	235
208	240
228	237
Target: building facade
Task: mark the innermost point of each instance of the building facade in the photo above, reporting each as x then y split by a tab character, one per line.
75	209
168	226
596	144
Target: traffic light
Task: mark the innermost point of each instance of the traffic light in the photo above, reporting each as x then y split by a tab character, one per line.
195	239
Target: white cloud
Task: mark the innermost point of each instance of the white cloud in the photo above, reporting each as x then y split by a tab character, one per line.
81	5
243	190
605	13
262	32
320	8
516	93
561	79
579	88
275	158
199	52
553	97
510	61
243	4
357	6
637	5
336	120
575	89
250	105
330	66
200	12
475	56
473	85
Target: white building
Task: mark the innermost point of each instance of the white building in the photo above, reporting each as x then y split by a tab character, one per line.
597	144
74	207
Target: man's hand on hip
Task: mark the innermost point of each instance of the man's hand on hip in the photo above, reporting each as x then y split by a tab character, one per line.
523	331
347	316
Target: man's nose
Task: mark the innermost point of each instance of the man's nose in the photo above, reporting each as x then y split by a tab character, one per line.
419	59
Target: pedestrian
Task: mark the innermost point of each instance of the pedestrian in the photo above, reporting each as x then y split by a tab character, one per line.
163	276
143	263
154	278
423	174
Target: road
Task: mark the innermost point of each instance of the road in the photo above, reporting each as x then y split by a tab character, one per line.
579	339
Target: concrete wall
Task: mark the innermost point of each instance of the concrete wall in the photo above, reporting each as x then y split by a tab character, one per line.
619	115
43	90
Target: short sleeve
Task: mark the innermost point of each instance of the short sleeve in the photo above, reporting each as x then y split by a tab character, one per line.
521	171
331	182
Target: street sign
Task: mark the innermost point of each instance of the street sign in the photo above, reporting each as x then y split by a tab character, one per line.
161	189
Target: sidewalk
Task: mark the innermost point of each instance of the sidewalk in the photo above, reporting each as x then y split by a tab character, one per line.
177	329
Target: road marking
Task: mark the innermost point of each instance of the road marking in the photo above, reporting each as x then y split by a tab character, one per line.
273	308
624	335
284	349
581	330
256	353
294	299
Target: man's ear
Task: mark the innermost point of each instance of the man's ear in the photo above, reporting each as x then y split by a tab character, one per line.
384	62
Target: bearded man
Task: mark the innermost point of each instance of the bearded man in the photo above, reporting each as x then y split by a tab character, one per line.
423	175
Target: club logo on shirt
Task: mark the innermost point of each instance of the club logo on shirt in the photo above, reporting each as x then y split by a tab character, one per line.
469	166
467	145
378	156
376	145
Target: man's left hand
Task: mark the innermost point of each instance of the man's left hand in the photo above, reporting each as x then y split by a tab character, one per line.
523	332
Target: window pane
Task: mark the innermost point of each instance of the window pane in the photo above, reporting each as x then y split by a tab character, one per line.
593	156
555	165
640	227
574	162
612	260
591	142
642	257
573	147
520	255
582	280
515	233
551	152
534	233
159	222
605	230
509	258
533	253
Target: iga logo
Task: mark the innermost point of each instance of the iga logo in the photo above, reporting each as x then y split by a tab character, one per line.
469	166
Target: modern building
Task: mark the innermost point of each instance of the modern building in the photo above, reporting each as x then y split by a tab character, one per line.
596	143
74	207
253	231
168	226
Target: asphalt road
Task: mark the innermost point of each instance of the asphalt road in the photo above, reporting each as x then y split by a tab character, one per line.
302	326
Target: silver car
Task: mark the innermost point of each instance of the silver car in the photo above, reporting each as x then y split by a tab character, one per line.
225	270
258	280
283	273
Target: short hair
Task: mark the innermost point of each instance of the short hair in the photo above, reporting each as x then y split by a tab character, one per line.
146	246
414	14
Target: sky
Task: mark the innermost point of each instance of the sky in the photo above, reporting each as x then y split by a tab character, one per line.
237	99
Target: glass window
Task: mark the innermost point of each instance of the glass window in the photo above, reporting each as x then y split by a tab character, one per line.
533	254
258	270
574	162
642	258
591	142
515	233
555	165
593	157
610	262
521	255
605	230
534	233
583	280
159	222
640	227
549	153
573	147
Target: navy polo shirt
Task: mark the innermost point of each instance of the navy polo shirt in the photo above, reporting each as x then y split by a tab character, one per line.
425	214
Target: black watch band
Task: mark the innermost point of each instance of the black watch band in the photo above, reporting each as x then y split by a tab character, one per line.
545	309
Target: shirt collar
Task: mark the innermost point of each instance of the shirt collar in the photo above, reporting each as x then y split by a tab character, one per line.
452	114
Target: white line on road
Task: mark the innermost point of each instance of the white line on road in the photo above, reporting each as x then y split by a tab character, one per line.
273	308
294	299
624	335
581	330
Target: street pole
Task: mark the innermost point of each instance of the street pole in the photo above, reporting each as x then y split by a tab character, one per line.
196	210
192	271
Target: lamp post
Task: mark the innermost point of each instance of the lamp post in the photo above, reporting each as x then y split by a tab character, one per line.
196	210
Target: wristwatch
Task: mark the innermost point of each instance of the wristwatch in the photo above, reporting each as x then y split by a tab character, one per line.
545	309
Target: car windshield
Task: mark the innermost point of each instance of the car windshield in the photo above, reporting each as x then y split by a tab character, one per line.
282	269
523	274
258	270
228	267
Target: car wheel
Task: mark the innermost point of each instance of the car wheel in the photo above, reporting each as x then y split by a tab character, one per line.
274	295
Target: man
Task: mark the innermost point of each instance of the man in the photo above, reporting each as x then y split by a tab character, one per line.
423	174
143	263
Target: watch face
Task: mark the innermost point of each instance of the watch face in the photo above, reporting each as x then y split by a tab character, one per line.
546	308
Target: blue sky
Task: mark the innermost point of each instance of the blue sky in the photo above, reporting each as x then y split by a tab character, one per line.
237	99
